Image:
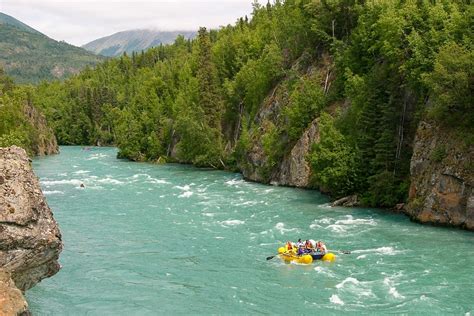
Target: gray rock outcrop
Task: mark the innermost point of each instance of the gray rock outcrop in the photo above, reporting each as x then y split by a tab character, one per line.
294	170
442	178
30	240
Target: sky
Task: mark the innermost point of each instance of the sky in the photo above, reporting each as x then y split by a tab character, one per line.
81	21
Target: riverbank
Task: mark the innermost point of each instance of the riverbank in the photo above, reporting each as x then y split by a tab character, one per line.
30	240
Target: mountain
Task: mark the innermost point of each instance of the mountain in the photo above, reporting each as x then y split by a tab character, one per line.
6	19
30	56
133	41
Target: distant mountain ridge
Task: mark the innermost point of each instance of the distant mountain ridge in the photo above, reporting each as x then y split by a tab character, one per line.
133	41
6	19
29	56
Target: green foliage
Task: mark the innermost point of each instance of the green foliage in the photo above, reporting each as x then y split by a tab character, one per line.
15	137
439	153
210	100
452	82
18	125
333	160
29	57
384	190
306	102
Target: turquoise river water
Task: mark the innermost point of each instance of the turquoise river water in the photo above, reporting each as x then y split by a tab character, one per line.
172	239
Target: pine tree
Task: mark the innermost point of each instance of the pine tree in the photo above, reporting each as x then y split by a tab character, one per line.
209	99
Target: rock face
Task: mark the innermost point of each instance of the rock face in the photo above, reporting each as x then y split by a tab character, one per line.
45	142
442	179
291	168
294	170
12	301
30	240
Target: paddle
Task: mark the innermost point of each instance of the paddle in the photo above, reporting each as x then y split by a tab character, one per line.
271	257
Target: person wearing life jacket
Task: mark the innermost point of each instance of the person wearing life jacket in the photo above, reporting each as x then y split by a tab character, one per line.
291	247
300	246
321	247
299	243
308	247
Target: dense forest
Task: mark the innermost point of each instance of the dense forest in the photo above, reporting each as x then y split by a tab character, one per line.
368	70
21	123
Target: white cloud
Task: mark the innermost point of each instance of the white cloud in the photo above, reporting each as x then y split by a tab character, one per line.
81	21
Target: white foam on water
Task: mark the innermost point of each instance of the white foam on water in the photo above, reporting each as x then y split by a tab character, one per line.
157	181
95	187
336	300
391	285
347	280
281	228
232	222
148	178
208	214
52	192
336	228
382	250
109	181
75	182
314	226
361	257
96	156
324	221
219	237
393	291
235	182
359	221
184	188
323	270
251	203
185	194
81	172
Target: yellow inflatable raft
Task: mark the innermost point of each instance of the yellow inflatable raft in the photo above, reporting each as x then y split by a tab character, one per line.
290	255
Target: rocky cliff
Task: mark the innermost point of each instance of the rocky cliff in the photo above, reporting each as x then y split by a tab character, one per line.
44	141
442	178
290	167
30	240
294	169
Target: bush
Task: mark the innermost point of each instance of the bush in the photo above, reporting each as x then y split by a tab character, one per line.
439	153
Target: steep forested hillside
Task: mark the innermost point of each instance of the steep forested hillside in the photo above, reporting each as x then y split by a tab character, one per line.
29	56
359	73
133	41
21	123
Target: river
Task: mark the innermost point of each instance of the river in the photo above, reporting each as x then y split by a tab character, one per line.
172	239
